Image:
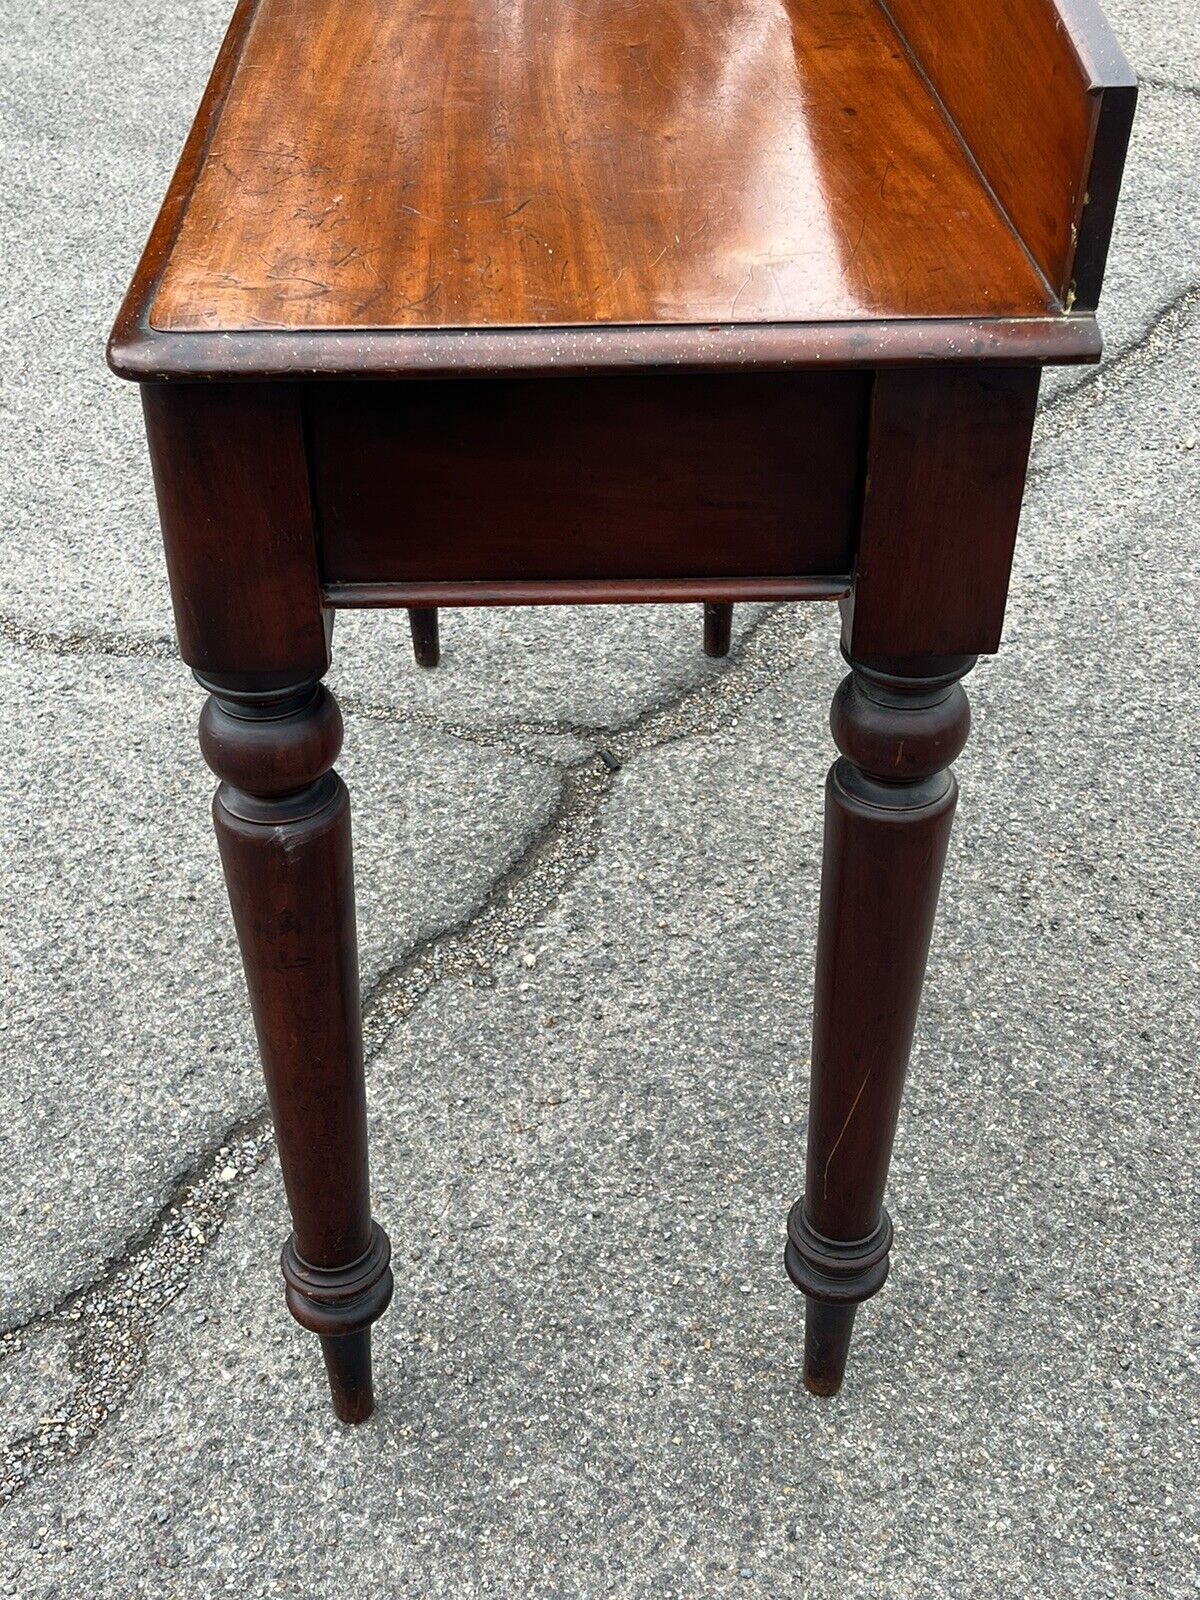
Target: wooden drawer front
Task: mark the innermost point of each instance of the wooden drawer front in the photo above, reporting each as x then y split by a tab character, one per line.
646	477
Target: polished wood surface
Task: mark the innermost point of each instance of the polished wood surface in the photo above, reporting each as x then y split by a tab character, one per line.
889	805
423	624
718	629
452	163
585	592
231	479
1043	98
147	355
945	478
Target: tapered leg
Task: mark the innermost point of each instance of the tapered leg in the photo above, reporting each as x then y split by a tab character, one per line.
283	825
423	624
888	809
718	627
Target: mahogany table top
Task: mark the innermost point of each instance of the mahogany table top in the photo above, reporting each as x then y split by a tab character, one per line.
541	163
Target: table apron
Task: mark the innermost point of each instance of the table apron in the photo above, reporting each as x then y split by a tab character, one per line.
640	488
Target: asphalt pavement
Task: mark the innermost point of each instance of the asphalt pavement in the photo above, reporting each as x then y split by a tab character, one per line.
587	869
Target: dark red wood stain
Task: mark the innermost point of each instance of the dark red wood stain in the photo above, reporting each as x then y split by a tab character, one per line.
753	296
691	477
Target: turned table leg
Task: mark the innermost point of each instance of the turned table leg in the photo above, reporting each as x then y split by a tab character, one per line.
283	825
423	625
889	806
718	627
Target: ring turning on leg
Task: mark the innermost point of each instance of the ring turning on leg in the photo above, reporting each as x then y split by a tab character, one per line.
340	1304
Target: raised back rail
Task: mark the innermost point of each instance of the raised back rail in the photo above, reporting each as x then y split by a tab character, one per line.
1044	101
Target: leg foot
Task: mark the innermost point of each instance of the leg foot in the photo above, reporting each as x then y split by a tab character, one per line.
835	1279
827	1330
340	1304
348	1363
423	624
718	628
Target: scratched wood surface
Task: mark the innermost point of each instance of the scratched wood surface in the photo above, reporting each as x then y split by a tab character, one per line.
467	163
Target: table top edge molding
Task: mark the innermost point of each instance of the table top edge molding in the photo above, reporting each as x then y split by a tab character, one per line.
1097	46
142	354
131	330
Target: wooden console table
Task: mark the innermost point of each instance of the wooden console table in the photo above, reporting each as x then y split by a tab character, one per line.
453	303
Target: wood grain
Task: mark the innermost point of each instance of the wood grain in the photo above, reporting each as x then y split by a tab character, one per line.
628	224
282	818
586	592
889	805
1026	82
232	487
752	475
147	355
946	470
451	163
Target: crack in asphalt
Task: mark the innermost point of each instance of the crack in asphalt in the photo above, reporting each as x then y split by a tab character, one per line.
503	735
87	642
507	737
108	1323
105	1325
1072	408
1153	81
